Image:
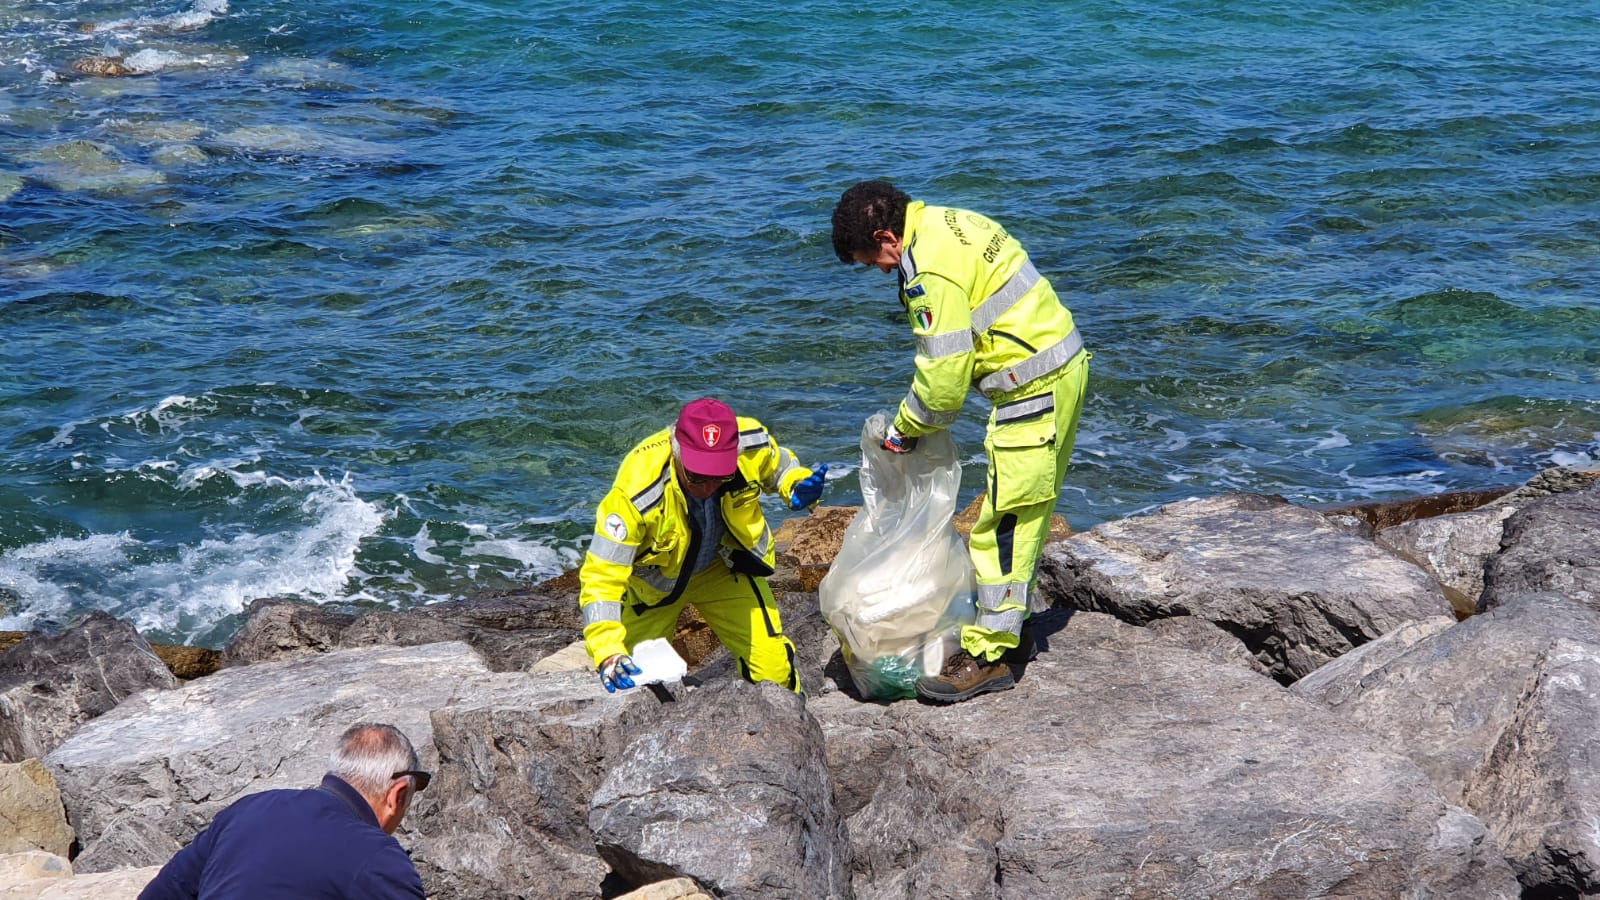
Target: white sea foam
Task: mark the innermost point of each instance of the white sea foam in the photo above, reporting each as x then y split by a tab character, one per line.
184	590
422	545
149	61
201	14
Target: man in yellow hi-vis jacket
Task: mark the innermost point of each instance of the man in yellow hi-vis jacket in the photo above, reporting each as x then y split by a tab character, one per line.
682	523
983	318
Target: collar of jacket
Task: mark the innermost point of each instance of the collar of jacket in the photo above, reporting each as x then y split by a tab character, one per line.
352	798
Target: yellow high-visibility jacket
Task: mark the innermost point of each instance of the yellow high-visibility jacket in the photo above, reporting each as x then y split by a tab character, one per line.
982	316
644	536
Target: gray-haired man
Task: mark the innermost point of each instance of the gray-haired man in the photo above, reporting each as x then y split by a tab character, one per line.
331	841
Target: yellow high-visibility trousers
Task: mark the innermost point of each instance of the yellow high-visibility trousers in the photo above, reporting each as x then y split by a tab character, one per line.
1028	458
741	612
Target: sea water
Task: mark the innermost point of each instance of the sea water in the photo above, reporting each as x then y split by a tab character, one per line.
362	303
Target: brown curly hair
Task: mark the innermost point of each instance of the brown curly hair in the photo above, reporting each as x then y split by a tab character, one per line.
863	209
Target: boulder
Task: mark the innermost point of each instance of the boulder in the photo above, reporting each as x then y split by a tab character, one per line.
1499	710
1453	548
1121	765
508	810
141	781
729	787
43	876
510	630
1548	545
31	816
52	683
1296	589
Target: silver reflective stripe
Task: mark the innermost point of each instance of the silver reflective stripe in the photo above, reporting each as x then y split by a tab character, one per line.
992	597
937	346
650	496
653	576
749	439
908	266
1009	622
785	464
602	611
763	545
1036	366
612	551
1017	410
932	417
990	310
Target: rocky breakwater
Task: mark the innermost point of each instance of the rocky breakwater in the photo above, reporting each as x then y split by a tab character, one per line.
1233	697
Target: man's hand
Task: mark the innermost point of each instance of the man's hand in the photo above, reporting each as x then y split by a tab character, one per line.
808	490
618	671
896	442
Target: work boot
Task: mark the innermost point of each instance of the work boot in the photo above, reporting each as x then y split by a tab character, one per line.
964	676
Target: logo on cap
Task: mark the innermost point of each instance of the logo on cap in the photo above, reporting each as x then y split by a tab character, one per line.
712	434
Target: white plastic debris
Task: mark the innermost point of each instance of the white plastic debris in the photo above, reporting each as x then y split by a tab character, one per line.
658	662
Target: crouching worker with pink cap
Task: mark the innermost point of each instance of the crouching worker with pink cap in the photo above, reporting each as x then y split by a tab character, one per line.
682	523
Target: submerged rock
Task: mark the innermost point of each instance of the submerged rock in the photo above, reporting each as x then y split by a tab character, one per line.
103	66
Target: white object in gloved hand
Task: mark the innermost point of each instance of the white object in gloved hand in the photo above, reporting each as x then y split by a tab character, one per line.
658	662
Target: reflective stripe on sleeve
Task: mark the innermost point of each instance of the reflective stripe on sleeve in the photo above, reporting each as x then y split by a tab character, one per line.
763	545
990	310
786	464
930	416
1030	408
751	439
602	611
936	346
1036	366
612	551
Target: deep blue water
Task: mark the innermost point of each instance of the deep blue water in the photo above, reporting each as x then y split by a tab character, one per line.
361	303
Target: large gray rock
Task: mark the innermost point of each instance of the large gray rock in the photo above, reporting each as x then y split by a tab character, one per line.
510	630
1499	710
518	762
729	787
1297	589
52	683
1121	765
1453	549
142	780
1552	544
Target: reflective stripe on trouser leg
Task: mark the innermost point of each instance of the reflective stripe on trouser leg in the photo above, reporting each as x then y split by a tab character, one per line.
743	614
1029	528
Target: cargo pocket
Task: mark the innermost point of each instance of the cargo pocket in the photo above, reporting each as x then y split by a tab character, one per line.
1022	453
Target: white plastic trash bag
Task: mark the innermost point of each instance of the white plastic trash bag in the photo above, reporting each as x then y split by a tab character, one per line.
902	585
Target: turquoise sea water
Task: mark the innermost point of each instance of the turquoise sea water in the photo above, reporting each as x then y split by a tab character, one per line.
362	302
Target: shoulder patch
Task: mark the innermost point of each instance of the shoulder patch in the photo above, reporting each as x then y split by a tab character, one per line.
616	528
916	290
924	317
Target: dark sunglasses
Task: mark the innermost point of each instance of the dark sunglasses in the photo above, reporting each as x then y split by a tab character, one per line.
692	478
422	778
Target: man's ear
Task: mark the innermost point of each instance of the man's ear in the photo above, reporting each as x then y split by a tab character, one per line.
394	805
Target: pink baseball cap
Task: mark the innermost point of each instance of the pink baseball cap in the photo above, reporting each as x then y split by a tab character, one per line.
707	438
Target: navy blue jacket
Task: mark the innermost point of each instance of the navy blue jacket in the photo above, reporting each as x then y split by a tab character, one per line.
317	844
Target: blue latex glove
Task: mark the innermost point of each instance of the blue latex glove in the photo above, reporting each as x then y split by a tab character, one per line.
899	443
618	672
807	491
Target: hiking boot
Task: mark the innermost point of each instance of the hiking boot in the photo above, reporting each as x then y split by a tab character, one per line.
965	676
